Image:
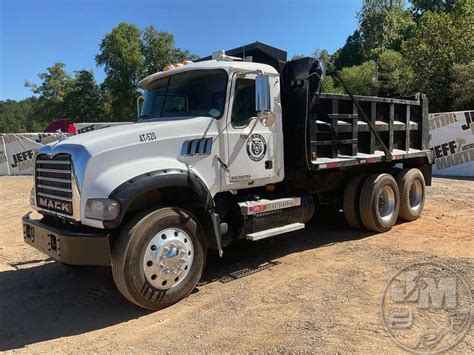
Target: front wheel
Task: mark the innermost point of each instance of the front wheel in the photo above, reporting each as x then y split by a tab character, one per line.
159	257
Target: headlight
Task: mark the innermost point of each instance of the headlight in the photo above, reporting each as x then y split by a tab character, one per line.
104	209
32	197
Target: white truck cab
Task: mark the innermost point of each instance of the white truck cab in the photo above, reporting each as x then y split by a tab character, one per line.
223	149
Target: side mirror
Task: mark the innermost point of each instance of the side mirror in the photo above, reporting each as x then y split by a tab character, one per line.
262	93
262	100
139	108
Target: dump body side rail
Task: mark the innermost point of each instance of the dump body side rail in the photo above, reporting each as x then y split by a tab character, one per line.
338	137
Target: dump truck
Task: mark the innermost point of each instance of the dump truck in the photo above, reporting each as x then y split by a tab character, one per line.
239	145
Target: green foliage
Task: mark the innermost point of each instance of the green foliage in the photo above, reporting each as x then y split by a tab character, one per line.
394	74
158	50
51	93
427	48
55	83
440	41
329	86
419	7
383	26
325	59
18	116
462	87
369	6
121	56
351	53
61	96
128	55
359	78
83	98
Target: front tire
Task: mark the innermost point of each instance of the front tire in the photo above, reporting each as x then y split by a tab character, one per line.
159	257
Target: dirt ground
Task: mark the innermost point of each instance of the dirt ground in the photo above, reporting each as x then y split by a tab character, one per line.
316	290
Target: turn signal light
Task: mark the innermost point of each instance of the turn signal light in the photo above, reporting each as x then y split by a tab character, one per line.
177	65
270	187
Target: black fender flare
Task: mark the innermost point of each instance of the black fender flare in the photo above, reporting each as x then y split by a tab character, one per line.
128	191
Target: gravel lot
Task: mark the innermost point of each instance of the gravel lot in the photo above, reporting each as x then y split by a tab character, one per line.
312	290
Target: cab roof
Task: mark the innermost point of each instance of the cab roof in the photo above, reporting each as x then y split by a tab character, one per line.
227	65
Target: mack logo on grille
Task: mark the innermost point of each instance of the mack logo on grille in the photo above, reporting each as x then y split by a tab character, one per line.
60	206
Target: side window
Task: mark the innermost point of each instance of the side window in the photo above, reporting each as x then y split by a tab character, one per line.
243	108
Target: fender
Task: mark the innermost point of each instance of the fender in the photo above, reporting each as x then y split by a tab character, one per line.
128	191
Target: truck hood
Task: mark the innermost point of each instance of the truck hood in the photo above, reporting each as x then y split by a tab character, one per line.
142	132
149	145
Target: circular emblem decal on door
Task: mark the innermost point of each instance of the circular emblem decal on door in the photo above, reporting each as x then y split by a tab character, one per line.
256	147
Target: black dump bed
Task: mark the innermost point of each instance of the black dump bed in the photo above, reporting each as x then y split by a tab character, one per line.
325	131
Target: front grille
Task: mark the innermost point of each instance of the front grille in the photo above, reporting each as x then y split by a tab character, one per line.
53	183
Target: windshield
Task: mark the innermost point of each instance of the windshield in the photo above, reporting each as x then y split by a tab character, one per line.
187	94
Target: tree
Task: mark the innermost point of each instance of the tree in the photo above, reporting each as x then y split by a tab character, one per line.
83	99
462	87
159	50
440	41
121	56
18	116
359	78
351	53
329	86
383	25
127	55
55	83
394	74
323	56
380	5
51	93
419	7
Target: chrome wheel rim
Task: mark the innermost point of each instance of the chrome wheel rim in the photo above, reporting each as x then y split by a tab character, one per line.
168	258
386	203
416	195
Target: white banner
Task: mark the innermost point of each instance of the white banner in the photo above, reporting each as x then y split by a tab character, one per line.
17	151
452	143
4	170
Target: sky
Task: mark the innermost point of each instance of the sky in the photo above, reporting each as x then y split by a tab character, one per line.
34	34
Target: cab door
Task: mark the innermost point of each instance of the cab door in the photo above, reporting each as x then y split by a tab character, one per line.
250	144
